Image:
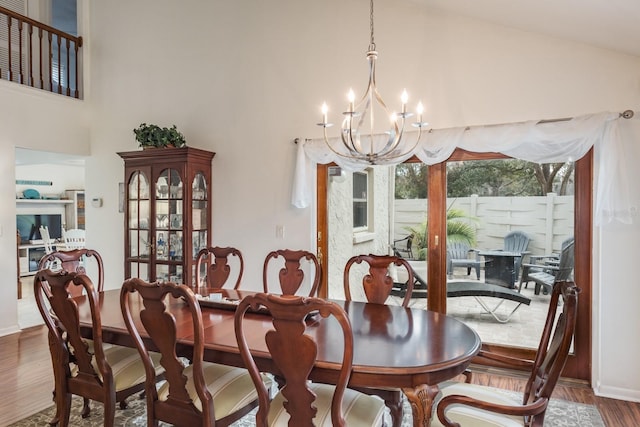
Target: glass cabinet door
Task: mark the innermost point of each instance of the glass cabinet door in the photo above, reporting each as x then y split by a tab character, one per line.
169	240
138	221
199	220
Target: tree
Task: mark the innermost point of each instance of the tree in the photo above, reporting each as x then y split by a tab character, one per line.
508	177
546	173
411	181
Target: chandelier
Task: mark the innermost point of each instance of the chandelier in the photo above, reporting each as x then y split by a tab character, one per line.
361	143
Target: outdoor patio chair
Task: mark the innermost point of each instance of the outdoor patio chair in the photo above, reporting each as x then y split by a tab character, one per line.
545	274
403	247
516	241
474	404
458	256
550	259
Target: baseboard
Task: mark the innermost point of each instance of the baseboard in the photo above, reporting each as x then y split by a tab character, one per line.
617	393
10	330
524	375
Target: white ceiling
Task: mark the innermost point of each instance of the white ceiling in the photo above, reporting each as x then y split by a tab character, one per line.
611	24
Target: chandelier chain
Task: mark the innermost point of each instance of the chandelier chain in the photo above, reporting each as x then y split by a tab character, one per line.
372	44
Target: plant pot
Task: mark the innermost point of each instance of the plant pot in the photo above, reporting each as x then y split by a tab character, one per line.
151	147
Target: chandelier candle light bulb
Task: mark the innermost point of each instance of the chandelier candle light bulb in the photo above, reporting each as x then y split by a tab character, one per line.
404	98
351	96
361	145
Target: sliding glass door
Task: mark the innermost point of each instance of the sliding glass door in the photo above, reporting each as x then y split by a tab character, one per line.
475	200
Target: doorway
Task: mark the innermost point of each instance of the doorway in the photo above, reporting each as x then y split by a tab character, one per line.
50	175
436	257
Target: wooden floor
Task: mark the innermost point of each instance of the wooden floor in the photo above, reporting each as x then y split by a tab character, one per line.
26	382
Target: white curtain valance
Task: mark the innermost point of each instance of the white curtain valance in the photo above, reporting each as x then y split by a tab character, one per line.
550	142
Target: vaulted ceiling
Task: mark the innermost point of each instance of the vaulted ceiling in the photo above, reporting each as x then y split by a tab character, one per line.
610	24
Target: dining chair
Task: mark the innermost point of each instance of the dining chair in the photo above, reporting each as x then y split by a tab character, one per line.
74	238
89	369
377	285
202	393
301	402
73	262
46	239
463	403
48	244
217	269
291	275
377	281
76	261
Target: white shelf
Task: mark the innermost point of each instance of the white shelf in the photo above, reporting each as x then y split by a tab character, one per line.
43	201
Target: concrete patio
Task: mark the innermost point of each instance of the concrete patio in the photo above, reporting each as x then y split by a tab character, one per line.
522	330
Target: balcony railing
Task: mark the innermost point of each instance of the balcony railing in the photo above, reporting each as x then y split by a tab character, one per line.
38	55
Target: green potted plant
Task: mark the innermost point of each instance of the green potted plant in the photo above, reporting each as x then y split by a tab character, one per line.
153	136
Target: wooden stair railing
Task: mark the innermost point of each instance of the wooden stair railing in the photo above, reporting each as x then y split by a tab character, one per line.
46	50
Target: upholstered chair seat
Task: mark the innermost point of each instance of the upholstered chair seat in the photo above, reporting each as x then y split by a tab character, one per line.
360	410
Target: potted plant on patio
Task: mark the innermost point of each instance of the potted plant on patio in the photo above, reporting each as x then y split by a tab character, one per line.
459	229
153	136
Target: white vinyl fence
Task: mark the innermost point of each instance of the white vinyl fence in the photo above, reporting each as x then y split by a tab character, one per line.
547	219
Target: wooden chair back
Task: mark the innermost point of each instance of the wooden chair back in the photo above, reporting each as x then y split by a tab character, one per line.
289	314
214	261
74	261
291	276
178	408
377	283
555	344
92	375
551	357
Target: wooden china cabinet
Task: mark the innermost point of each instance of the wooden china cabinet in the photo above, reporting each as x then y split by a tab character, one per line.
167	212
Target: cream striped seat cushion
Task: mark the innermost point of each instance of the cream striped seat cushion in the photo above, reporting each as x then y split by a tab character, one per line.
359	409
126	365
230	387
473	417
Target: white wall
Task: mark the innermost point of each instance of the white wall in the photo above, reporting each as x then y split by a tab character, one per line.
616	292
343	242
33	119
244	79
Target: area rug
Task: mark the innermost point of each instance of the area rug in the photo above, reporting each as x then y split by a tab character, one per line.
560	413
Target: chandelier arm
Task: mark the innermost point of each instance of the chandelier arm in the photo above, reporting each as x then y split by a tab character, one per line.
396	135
354	145
326	141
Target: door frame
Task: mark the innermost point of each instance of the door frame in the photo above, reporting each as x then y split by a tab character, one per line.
579	363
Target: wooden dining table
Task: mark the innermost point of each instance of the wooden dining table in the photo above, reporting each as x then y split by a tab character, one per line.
405	348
